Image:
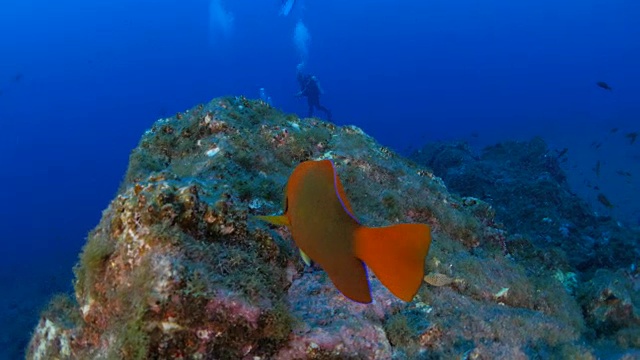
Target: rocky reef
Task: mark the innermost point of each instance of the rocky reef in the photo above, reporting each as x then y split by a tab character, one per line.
179	268
549	226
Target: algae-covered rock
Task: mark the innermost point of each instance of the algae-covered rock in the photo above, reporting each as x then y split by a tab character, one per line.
528	189
179	268
611	304
550	230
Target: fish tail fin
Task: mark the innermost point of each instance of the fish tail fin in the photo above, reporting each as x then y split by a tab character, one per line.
396	255
279	220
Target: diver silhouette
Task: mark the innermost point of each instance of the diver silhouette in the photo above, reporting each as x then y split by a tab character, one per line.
310	87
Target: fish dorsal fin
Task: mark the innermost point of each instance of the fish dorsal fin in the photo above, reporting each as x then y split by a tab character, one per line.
396	255
341	194
279	220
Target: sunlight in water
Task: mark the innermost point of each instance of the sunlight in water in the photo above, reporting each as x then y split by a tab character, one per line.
302	38
220	22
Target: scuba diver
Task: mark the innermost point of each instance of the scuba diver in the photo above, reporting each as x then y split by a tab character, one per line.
310	87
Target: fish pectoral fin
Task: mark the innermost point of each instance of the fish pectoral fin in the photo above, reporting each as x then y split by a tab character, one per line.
305	257
396	254
279	220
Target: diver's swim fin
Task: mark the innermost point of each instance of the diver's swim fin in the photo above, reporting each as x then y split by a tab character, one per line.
287	5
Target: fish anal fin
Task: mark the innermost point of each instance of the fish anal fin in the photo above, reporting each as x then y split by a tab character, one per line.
350	278
279	220
396	254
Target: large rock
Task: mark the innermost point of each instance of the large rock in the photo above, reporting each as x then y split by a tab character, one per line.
525	183
611	304
178	267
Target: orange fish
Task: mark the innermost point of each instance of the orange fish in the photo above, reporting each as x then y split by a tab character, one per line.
326	231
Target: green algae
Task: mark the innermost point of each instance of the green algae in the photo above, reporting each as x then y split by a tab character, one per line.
132	341
62	309
277	324
92	259
398	331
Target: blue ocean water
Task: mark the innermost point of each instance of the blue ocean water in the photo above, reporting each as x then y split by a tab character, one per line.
81	81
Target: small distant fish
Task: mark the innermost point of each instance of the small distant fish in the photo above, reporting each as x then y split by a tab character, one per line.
17	78
604	85
475	134
596	169
562	152
596	144
438	280
623	173
326	231
632	137
588	184
604	201
614	130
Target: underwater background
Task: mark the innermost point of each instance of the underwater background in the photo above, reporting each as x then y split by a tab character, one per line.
81	81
